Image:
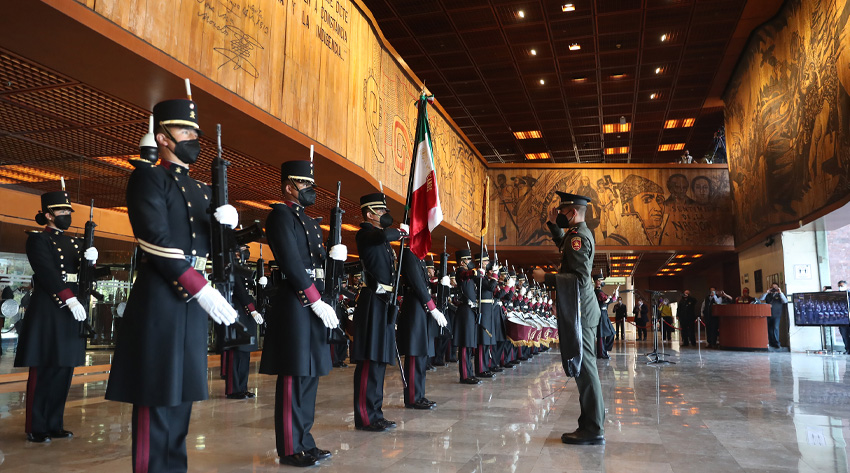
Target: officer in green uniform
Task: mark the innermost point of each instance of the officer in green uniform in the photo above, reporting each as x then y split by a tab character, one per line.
575	240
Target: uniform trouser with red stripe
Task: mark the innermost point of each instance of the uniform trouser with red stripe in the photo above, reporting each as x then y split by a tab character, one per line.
368	392
237	366
338	352
294	413
484	358
47	390
451	352
159	437
464	362
414	369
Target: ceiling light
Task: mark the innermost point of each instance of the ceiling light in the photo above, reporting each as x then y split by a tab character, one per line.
568	7
575	47
618	76
526	135
658	70
579	79
652	96
521	14
619	150
688	122
685	123
542	82
537	156
672	147
616	127
696	256
349	227
533	52
664	37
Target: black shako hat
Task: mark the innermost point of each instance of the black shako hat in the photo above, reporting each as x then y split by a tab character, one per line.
54	201
375	200
572	199
176	112
429	263
478	256
301	170
460	254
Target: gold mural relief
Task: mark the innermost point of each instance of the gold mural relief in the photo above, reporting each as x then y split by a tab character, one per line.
787	117
630	207
318	67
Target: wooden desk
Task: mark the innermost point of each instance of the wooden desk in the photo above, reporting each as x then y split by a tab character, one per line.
743	326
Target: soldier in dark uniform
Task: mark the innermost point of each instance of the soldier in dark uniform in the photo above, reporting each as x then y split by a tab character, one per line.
465	328
374	335
160	362
487	283
237	360
50	343
442	338
297	320
415	333
571	235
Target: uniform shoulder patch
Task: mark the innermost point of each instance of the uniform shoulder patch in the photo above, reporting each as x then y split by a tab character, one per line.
575	243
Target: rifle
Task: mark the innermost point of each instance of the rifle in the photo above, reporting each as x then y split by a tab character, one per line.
225	242
334	270
87	277
259	290
444	292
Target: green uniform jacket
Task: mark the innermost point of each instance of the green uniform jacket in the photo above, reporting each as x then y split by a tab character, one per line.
577	248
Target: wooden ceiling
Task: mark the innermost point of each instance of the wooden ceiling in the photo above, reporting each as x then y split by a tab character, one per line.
500	67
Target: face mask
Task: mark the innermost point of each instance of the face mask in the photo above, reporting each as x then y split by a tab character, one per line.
562	221
62	222
842	288
386	220
602	284
307	196
187	151
470	265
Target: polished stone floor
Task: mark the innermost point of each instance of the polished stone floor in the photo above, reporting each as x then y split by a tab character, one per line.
713	411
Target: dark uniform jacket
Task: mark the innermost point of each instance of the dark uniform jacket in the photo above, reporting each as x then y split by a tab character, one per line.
244	304
296	342
465	326
374	338
50	336
687	308
576	245
161	352
488	310
415	337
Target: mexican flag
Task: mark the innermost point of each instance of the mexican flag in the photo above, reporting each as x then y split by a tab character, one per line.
425	210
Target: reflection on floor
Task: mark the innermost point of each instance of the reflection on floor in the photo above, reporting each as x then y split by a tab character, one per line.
713	411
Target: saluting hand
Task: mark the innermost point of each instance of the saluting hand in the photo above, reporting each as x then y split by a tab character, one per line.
553	214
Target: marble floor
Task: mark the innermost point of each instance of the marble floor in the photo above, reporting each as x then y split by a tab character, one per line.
712	411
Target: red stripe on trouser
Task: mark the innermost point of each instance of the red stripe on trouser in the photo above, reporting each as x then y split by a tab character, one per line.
463	363
31	381
333	354
361	401
411	383
288	449
502	358
481	358
143	437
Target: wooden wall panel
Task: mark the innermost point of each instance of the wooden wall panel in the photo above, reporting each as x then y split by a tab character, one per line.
671	206
318	66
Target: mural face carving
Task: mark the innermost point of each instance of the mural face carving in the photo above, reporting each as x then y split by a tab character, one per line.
627	209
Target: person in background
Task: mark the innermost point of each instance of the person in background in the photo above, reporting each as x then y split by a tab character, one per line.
686	312
641	313
666	313
777	301
712	322
745	297
844	330
620	313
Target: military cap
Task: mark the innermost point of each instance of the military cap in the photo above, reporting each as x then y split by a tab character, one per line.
460	254
429	263
634	185
176	112
301	170
521	277
572	199
55	200
375	200
512	273
478	256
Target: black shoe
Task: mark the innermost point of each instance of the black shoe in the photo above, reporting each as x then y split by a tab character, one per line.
38	438
472	380
340	365
319	453
508	366
238	395
422	404
440	363
485	374
376	427
425	399
249	395
61	434
513	363
432	368
582	438
604	357
388	424
496	369
299	459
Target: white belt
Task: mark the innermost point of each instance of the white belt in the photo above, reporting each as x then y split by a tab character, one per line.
197	262
317	273
70	277
486	301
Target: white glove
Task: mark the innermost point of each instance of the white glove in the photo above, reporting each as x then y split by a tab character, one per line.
499	303
216	306
338	252
263	281
482	271
77	309
496	268
522	291
439	317
446	281
549	302
326	313
511	281
404	228
258	317
90	254
227	215
380	290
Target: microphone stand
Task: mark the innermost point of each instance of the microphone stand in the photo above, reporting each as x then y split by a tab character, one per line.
656	358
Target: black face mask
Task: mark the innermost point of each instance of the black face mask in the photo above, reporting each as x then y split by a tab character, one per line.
602	284
62	222
489	266
386	220
470	265
187	151
307	196
562	221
